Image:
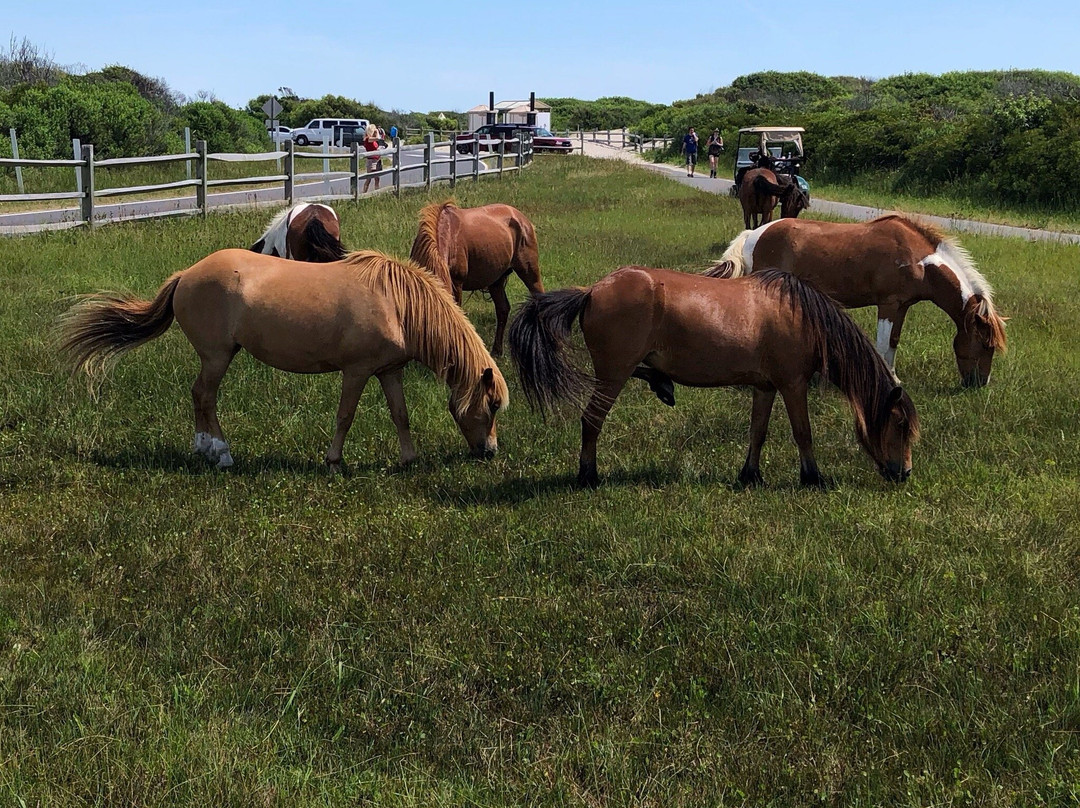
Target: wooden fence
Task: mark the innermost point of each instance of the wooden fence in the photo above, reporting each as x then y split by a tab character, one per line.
483	156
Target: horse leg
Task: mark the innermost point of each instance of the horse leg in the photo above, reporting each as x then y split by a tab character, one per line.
352	386
592	421
795	402
889	325
659	383
497	291
759	430
395	399
457	290
209	439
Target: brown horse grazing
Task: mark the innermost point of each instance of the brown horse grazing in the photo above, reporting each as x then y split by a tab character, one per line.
477	248
891	262
761	189
304	232
367	315
770	331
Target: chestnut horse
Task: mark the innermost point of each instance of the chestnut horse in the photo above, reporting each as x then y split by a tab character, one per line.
478	248
891	262
770	331
304	232
761	189
367	315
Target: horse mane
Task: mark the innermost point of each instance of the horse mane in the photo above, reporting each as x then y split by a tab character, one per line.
324	247
959	260
846	356
437	332
731	263
426	249
279	222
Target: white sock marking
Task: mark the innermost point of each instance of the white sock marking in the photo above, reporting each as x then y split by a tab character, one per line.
884	334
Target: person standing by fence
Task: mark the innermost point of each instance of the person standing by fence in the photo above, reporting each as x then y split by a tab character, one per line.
371	143
689	147
714	146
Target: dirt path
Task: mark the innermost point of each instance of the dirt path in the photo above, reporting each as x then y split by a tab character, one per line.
856	212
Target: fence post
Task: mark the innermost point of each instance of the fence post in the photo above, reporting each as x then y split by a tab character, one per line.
429	151
453	159
76	150
87	169
290	172
15	154
187	149
502	150
521	151
326	165
200	175
397	166
354	169
476	155
581	141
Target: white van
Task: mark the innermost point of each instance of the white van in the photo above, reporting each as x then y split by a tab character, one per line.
320	129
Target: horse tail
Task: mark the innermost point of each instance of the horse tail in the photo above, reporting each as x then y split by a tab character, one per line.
427	251
103	326
538	348
731	264
767	188
843	354
323	246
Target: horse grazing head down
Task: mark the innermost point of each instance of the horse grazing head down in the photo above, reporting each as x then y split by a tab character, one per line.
980	335
474	412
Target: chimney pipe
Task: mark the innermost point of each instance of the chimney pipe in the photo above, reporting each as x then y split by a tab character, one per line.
491	107
530	117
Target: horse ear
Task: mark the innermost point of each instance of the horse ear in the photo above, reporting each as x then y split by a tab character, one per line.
894	396
488	379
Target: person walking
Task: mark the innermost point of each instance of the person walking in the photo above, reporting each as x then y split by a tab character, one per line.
371	143
713	147
689	147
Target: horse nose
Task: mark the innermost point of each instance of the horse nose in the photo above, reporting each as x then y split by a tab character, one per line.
894	473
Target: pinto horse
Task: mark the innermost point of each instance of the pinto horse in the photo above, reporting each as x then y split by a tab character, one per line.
478	248
304	232
762	188
770	331
891	262
367	315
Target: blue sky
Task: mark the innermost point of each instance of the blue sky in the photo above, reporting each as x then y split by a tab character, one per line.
422	55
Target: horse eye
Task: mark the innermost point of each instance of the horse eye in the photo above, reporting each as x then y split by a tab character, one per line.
494	406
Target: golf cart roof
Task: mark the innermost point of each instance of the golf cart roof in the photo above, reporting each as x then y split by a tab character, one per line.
771	130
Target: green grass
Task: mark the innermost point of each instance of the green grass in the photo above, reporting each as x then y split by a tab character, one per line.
467	633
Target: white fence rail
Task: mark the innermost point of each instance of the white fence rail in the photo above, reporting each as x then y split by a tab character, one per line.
482	156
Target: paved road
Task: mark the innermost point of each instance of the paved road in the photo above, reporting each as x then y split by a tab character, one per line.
856	212
32	221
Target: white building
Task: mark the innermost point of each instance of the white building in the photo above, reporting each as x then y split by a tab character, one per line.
509	112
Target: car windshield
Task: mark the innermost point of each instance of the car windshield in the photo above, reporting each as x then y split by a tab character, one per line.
542	132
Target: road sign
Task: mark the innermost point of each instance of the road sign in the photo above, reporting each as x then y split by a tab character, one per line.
272	108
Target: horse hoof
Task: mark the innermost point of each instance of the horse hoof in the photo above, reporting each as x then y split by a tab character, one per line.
588	478
751	478
814	480
335	466
225	460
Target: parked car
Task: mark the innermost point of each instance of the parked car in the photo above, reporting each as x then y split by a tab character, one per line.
281	134
320	129
542	139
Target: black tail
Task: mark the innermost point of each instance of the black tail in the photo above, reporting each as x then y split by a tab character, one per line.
538	349
763	186
323	247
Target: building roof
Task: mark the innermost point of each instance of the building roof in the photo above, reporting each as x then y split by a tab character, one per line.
512	106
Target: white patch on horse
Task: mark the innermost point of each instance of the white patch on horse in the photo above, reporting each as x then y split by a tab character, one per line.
751	243
274	238
950	255
203	441
884	335
219	451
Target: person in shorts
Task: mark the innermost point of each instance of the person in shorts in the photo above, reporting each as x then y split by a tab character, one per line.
713	147
689	147
371	143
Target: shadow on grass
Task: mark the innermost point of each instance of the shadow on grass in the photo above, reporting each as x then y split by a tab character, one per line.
163	458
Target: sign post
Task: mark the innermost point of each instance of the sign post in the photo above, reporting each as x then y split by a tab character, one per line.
272	109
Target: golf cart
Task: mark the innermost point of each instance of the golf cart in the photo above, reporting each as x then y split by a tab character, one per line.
776	147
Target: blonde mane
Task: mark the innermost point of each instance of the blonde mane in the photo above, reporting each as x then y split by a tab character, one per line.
949	252
426	249
437	332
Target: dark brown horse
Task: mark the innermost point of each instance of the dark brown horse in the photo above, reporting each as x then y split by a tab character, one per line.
762	188
304	232
770	331
891	262
478	248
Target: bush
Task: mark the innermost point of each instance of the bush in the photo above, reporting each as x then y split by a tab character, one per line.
223	128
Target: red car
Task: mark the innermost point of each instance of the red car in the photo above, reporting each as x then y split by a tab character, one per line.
542	139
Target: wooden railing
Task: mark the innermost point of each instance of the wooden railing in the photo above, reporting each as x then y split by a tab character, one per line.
483	156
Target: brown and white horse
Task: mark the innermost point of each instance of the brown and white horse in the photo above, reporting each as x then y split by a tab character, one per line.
762	188
892	262
477	248
770	331
304	232
368	315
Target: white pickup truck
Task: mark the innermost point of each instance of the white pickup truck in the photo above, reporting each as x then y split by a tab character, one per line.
320	129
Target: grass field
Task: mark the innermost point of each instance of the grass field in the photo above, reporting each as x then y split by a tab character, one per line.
468	633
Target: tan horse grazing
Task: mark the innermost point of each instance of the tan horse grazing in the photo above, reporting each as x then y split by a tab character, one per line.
304	232
891	262
478	248
770	331
368	315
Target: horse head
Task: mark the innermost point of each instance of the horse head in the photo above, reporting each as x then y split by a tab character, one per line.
898	430
793	201
979	334
474	412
